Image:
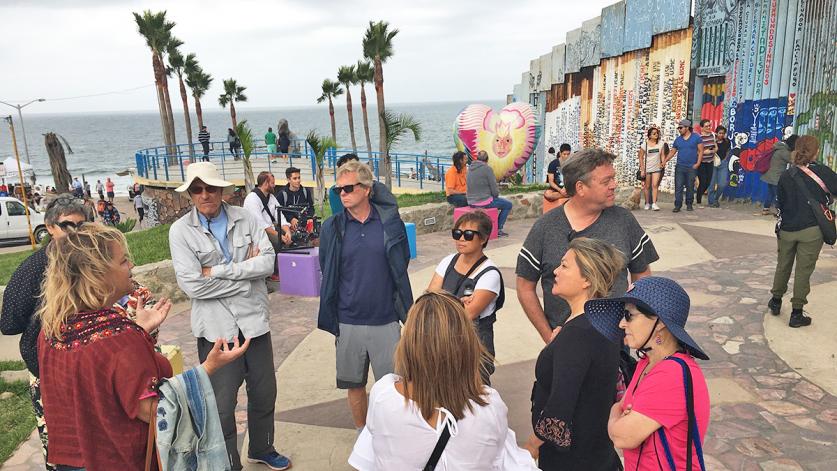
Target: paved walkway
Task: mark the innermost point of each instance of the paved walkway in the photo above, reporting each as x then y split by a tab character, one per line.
773	388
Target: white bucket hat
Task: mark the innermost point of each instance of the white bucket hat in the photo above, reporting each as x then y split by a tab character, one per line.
206	172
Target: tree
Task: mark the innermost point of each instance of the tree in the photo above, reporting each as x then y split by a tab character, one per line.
157	32
58	162
377	47
245	135
319	146
397	127
232	93
199	82
172	45
178	65
365	73
330	90
347	76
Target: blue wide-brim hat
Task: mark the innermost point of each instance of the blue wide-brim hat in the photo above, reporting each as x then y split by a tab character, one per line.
659	296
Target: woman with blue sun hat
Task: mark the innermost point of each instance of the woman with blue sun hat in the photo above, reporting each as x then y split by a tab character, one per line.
661	422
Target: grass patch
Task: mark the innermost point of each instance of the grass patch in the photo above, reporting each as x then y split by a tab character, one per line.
12	365
16	417
150	245
9	263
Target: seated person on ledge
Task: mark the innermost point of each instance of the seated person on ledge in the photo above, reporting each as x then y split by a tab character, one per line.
556	190
456	181
483	191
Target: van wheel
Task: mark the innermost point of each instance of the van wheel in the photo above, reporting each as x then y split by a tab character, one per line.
40	234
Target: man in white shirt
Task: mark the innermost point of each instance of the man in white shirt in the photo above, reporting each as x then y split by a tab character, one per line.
263	206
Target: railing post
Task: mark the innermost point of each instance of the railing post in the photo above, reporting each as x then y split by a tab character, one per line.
156	163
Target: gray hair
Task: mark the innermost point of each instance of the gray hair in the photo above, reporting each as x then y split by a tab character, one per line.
482	156
364	173
580	165
65	205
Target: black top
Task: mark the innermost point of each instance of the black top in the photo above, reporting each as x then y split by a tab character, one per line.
554	169
574	390
724	148
794	209
299	198
21	301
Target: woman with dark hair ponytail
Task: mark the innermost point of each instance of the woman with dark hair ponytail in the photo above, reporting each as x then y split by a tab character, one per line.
455	181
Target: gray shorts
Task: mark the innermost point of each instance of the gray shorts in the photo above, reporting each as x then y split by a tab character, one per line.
360	345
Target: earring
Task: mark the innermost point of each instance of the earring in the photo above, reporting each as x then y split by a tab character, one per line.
658	340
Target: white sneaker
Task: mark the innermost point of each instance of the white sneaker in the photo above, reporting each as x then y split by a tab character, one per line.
647	206
655	207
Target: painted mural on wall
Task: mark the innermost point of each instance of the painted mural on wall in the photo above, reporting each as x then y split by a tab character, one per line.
712	107
713	46
563	125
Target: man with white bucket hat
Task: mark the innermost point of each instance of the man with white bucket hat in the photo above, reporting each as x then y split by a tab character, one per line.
221	257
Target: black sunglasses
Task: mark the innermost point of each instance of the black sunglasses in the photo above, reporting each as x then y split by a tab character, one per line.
64	225
347	188
627	315
469	234
196	190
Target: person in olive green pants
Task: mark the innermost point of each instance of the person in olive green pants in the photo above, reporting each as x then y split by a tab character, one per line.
804	246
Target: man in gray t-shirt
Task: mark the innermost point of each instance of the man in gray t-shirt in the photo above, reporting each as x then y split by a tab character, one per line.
590	181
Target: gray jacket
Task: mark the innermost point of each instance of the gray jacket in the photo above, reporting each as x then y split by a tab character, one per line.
778	163
234	296
481	183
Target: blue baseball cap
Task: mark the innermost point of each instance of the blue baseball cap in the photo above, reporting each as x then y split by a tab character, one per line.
656	295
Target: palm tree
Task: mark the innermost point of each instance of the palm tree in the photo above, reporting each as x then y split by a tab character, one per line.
199	82
365	73
179	65
330	90
245	135
397	127
157	33
377	47
232	93
347	76
171	45
319	145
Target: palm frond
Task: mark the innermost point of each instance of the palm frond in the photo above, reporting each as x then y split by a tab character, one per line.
377	41
347	75
365	72
397	127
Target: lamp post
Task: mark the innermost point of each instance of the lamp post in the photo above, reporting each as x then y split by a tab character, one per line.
22	186
23	128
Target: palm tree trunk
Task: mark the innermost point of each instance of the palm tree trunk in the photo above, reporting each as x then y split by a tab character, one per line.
351	118
379	91
232	114
198	111
161	101
58	163
365	120
331	115
188	118
169	112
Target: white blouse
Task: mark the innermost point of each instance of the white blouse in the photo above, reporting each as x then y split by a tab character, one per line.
397	436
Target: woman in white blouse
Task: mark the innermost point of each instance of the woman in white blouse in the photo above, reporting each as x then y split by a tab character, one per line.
438	360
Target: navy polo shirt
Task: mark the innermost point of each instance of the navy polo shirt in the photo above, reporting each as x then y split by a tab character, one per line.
365	290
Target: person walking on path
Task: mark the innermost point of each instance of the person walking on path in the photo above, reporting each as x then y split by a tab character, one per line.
221	257
720	169
203	138
688	147
139	206
456	181
801	188
651	155
109	188
234	142
270	142
576	373
365	289
710	151
590	180
100	189
483	191
78	189
779	161
554	178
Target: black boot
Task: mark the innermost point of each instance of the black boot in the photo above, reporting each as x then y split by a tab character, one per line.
799	319
775	305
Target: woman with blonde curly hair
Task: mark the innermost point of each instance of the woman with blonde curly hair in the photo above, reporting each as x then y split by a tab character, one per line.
98	367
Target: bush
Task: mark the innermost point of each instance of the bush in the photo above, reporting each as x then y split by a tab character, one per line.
126	226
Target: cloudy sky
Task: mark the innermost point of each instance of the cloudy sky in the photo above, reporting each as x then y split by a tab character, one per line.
447	50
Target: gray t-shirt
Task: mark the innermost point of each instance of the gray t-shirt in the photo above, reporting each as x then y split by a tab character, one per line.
549	239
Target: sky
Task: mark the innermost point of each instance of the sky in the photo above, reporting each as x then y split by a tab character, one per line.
446	50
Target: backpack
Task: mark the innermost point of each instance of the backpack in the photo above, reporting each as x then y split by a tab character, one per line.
761	161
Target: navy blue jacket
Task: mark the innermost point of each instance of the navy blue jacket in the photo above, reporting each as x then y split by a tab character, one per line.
398	256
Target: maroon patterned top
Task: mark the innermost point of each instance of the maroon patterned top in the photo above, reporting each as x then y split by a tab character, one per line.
92	380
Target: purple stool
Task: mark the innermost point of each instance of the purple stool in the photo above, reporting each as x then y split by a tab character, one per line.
299	272
491	212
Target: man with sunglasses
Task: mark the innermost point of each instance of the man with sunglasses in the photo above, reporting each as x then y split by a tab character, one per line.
221	256
590	182
365	289
688	147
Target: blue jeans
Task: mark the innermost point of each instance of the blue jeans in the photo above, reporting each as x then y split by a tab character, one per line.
684	176
770	199
720	179
504	206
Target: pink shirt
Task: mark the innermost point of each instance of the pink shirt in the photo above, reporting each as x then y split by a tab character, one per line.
661	397
109	186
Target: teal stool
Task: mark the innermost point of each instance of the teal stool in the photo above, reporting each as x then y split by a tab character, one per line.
411	238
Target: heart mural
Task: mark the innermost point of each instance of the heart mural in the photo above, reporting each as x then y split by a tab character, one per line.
509	137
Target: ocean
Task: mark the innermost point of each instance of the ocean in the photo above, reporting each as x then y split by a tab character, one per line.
105	143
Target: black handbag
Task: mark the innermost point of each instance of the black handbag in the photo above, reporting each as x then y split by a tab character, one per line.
823	214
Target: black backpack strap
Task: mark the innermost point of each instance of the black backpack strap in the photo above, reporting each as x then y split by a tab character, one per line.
501	297
438	449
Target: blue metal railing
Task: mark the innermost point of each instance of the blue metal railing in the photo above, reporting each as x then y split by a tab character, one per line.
156	163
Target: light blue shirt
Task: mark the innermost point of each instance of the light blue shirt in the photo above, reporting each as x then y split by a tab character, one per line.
218	228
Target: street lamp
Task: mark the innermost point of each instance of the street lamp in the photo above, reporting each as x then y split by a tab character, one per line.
22	127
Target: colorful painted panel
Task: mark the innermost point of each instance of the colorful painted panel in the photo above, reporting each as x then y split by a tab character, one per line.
613	29
563	125
639	24
714	33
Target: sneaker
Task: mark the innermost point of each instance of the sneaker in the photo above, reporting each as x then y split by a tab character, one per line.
799	319
715	205
675	210
272	460
501	233
647	206
763	212
689	207
775	306
655	207
700	206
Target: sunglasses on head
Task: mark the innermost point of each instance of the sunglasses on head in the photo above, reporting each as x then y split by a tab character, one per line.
469	234
65	225
347	188
196	190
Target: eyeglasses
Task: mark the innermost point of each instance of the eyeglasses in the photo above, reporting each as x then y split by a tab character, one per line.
347	188
458	233
196	190
64	225
627	315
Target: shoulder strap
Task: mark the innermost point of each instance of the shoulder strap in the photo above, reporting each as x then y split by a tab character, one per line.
465	277
451	265
693	436
797	177
501	297
151	453
438	449
814	177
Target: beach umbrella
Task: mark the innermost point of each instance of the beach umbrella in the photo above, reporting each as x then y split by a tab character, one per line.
9	169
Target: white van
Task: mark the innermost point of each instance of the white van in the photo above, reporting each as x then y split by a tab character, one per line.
13	221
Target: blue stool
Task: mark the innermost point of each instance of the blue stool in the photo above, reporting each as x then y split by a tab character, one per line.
411	238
